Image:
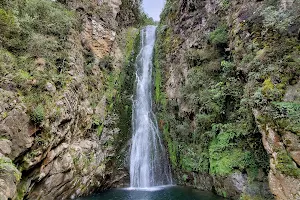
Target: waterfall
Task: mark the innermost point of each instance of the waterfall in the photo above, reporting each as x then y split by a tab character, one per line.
149	165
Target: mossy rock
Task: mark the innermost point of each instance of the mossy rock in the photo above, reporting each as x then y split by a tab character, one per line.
7	167
286	165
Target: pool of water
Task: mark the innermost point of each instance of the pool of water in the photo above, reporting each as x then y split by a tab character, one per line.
156	193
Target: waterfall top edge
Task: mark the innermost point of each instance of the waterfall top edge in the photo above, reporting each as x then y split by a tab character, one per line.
151	26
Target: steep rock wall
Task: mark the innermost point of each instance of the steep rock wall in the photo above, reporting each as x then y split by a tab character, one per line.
60	133
217	63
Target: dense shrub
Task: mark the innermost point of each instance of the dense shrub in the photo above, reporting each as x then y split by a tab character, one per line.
278	19
38	114
46	17
219	35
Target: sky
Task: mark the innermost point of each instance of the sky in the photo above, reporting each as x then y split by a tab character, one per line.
153	8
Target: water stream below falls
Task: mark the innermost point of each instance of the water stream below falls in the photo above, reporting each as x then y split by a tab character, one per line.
150	174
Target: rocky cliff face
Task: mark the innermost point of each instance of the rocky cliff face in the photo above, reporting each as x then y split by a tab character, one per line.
226	78
60	94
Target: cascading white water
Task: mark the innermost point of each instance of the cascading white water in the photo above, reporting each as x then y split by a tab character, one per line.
149	165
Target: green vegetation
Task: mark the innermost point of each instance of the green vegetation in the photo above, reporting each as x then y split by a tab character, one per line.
225	4
38	114
169	11
227	151
21	191
7	166
209	128
219	35
160	98
48	64
219	139
146	20
286	165
286	116
123	106
278	19
33	49
22	22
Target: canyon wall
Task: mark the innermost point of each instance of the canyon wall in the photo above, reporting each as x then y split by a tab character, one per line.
227	95
65	108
